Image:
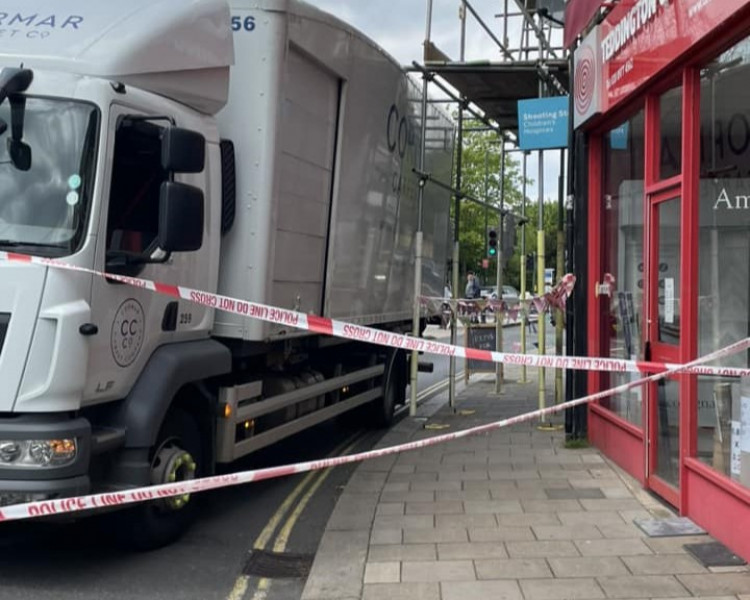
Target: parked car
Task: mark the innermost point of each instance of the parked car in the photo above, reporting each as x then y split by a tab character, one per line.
510	294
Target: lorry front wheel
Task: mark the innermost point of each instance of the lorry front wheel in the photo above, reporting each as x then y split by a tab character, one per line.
176	457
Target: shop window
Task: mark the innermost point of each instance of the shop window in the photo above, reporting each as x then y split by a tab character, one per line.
670	133
724	257
622	245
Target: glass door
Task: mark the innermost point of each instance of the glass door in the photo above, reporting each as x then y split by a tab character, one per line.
663	331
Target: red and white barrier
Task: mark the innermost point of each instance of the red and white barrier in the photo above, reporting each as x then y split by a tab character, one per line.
324	325
96	501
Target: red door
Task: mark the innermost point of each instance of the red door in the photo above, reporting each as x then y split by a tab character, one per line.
663	330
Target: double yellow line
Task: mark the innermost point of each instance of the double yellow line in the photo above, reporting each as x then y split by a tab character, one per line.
314	480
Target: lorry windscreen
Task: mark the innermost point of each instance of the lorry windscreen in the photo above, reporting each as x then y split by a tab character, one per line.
45	196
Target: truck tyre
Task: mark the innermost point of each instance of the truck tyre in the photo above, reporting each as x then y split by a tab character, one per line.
176	456
382	411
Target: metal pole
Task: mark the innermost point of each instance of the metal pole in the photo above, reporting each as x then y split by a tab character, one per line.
525	308
559	267
486	212
540	280
541	328
457	221
418	238
499	371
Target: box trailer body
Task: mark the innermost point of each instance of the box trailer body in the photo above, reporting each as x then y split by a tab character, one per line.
338	237
263	150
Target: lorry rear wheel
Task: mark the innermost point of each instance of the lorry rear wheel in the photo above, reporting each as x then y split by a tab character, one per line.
382	411
176	456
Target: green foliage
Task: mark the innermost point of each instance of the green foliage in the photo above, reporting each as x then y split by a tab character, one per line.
481	180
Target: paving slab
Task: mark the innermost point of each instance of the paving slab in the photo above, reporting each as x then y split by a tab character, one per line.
401	552
561	589
436	535
444	570
573	493
612	547
620	530
528	519
716	583
481	590
402	591
382	572
463	475
591	518
467	521
548	506
663	564
642	586
589	566
390	508
492	506
512	568
386	536
621	504
501	534
463	495
541	549
566	532
433	486
445	507
471	551
330	577
674	545
407	497
404	522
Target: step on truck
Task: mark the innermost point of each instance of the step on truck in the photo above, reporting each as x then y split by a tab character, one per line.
261	149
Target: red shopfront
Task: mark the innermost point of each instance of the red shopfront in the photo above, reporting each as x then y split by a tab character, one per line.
662	92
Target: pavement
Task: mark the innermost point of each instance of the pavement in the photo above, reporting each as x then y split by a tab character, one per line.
507	515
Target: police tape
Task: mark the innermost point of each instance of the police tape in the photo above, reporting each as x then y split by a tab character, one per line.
46	508
379	337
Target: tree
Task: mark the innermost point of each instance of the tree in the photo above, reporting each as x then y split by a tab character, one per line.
512	273
480	178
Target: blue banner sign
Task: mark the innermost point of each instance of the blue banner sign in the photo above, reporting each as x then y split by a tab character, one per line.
543	123
618	137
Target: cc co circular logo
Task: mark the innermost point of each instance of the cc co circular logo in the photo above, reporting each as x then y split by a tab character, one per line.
127	332
585	80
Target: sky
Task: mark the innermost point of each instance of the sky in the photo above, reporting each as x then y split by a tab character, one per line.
399	27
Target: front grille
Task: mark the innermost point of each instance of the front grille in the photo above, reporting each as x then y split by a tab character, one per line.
4	320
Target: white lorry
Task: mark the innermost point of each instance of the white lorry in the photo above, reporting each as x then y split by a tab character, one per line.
262	149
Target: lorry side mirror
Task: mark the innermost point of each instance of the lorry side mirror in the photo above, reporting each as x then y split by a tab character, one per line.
180	217
20	154
183	151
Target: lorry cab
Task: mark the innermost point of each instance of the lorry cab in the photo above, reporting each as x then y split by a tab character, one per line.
108	155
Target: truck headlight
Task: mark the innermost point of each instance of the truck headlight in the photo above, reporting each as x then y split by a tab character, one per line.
38	453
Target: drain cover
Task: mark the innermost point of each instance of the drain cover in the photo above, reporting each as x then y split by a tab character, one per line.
714	554
672	527
276	565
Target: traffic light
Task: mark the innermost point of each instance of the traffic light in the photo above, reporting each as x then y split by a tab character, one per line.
492	243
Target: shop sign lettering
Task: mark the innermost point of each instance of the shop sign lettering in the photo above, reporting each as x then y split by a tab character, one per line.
738	202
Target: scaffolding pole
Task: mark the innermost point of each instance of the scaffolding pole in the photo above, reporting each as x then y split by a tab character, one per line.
419	236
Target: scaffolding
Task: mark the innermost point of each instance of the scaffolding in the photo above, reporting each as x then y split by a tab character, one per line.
532	63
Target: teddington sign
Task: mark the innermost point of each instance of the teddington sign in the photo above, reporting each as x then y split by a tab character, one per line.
629	26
